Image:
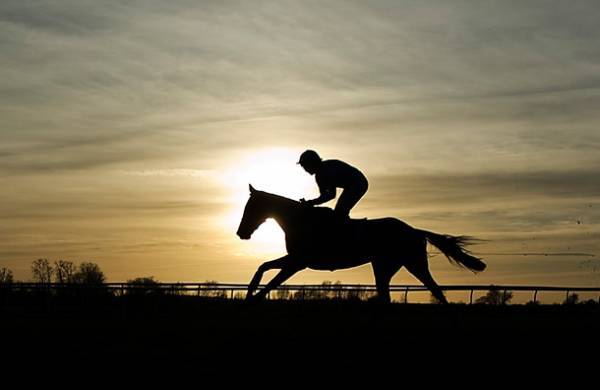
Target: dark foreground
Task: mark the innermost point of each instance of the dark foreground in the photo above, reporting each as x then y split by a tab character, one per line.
204	335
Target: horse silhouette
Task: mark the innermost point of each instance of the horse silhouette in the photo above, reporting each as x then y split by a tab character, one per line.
319	239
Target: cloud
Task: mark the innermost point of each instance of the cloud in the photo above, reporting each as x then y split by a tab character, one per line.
504	186
477	113
558	210
93	71
172	173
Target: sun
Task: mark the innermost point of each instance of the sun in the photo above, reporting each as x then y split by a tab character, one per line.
273	170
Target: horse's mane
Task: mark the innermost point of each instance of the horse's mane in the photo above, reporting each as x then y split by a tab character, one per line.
278	197
320	212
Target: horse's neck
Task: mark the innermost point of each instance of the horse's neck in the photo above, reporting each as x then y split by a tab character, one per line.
283	211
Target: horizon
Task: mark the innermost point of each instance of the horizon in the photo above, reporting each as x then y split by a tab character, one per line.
130	132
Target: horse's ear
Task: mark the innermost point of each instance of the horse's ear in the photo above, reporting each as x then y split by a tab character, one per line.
252	190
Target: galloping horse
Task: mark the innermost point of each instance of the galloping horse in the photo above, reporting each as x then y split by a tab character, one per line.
318	239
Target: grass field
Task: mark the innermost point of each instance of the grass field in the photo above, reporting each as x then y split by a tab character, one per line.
212	334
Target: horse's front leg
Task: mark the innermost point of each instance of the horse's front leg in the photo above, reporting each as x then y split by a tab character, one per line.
264	267
286	272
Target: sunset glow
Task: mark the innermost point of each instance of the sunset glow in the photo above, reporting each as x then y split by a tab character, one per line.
273	170
131	130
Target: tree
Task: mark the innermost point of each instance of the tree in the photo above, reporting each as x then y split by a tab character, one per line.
64	271
329	290
338	292
41	271
283	293
326	286
239	296
309	293
571	299
143	286
89	274
6	276
209	290
358	293
495	297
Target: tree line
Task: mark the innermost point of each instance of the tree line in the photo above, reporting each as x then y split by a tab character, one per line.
61	271
90	274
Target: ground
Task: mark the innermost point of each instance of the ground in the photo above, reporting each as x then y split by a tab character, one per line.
208	335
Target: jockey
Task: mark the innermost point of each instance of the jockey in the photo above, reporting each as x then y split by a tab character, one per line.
333	174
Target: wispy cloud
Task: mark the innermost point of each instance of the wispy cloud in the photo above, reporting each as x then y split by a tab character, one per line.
482	112
172	173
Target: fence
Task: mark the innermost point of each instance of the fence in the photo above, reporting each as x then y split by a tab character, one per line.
230	290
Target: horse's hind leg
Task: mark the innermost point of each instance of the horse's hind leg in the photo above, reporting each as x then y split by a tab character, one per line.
384	269
420	269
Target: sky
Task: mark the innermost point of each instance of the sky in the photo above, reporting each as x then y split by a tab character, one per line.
129	130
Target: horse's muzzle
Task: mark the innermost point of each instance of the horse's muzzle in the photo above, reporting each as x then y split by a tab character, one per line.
243	236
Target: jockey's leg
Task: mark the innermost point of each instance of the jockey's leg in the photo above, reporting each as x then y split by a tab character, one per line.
346	201
349	198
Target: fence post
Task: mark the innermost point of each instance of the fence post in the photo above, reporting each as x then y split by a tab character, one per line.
471	298
567	297
406	294
535	296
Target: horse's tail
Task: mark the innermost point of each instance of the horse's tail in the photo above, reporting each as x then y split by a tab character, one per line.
453	247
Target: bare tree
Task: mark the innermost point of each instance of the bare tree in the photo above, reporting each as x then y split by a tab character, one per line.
328	290
64	271
338	292
209	290
327	287
282	293
6	276
41	271
358	293
239	296
571	299
495	297
309	293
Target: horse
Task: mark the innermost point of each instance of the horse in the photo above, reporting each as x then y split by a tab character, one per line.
318	238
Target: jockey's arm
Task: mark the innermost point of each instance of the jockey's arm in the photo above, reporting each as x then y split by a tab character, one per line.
327	194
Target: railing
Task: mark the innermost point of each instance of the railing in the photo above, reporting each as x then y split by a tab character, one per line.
230	290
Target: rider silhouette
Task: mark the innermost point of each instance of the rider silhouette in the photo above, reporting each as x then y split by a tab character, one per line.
333	174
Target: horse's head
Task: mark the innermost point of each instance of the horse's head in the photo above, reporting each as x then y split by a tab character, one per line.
255	213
